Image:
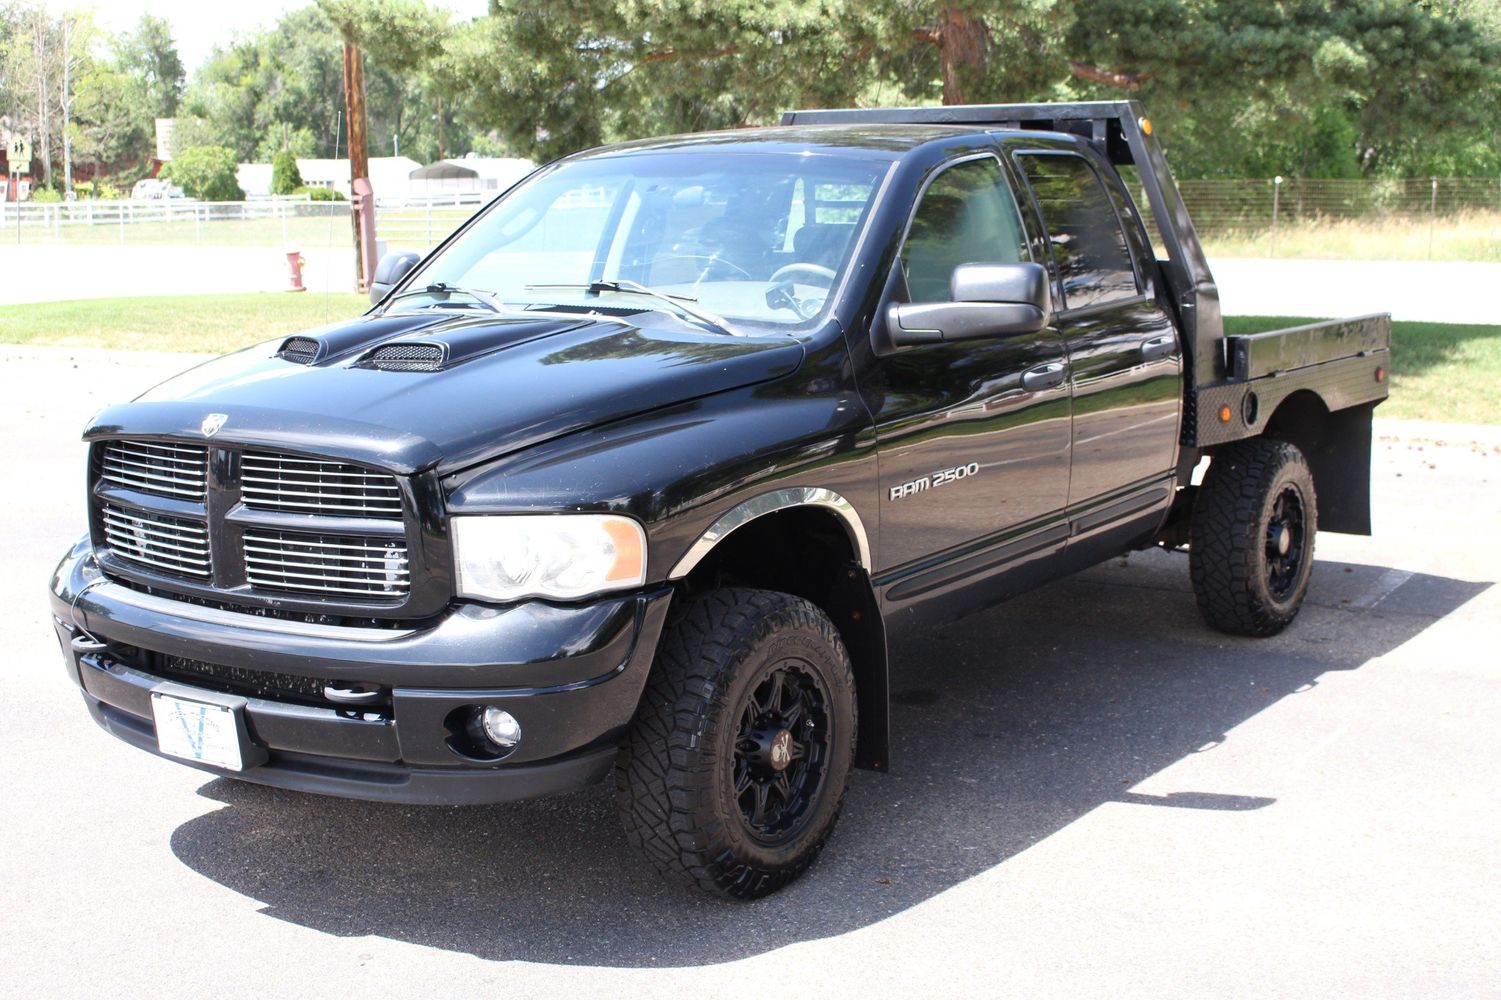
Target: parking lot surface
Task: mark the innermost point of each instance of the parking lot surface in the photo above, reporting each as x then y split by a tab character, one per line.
1091	795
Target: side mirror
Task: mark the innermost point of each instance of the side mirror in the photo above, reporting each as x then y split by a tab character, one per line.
988	300
389	272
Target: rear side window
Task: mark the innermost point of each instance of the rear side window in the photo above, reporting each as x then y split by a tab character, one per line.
1089	245
967	216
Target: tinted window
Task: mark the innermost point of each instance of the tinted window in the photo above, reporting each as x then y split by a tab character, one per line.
1088	243
967	216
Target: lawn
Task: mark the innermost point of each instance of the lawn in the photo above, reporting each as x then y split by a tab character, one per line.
1474	236
210	324
1440	371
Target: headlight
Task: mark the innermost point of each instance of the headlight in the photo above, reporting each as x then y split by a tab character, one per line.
505	557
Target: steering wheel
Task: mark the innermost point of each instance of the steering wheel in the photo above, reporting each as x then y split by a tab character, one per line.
804	268
781	293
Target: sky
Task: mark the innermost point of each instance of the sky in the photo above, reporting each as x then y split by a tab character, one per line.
197	25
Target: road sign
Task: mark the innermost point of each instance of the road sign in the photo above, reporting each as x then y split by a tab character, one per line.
18	151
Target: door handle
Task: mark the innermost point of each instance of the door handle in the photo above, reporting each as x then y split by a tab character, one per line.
1158	347
1046	376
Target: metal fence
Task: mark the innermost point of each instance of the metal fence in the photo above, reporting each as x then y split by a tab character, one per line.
1458	216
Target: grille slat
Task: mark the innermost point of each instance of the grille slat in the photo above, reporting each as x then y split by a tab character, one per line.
287	560
271	481
151	467
167	543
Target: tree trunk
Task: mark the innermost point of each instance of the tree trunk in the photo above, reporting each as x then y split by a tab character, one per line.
440	127
963	54
67	104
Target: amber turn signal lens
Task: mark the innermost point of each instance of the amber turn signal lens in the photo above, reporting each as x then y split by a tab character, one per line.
1225	414
1146	125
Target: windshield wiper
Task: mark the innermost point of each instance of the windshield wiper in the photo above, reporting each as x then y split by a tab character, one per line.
686	303
487	299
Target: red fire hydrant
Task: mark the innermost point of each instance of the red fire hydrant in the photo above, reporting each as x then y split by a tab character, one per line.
294	270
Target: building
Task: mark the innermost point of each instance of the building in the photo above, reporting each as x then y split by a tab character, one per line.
487	175
389	176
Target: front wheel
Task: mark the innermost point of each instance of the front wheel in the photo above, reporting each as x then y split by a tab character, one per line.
734	772
1251	541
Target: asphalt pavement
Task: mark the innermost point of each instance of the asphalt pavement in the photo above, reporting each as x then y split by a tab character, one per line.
1091	794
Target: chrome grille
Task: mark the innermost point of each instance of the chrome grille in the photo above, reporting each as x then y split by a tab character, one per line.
273	481
165	469
361	565
169	544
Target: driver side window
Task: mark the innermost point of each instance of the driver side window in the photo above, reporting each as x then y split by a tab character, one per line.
967	216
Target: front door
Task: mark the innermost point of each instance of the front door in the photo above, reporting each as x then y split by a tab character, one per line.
970	459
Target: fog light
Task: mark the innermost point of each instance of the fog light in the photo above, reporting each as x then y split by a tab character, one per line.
501	727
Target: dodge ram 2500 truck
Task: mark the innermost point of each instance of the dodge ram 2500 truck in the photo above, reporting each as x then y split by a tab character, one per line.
637	472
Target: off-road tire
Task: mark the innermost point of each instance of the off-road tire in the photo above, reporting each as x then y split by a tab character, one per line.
1243	583
677	773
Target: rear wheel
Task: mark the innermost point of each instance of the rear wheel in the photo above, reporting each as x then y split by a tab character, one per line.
734	772
1251	550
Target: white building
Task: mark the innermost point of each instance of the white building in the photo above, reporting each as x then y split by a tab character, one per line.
488	175
389	176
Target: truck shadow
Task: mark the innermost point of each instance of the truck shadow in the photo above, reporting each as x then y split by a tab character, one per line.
1009	726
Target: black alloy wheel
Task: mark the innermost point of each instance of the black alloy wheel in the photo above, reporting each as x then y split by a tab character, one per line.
782	751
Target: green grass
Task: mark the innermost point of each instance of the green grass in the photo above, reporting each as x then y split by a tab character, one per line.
209	324
1473	236
1440	371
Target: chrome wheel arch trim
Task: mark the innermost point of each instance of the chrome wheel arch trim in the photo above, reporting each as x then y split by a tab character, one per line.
771	503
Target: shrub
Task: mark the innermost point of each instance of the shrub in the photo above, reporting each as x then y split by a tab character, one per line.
285	177
44	195
206	172
320	193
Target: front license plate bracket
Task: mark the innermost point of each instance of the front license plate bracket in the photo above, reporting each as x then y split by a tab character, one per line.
203	727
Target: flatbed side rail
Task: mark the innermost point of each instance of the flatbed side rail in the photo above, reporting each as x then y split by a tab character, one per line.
1276	352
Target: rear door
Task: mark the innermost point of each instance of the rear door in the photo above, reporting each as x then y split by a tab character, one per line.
1125	361
973	463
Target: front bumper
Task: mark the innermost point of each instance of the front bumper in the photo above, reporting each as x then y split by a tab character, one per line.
572	676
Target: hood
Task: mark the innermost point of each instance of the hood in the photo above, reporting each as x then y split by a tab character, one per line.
414	391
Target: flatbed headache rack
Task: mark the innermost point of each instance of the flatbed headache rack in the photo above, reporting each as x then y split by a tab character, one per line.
1221	370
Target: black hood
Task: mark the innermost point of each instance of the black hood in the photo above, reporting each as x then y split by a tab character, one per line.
497	384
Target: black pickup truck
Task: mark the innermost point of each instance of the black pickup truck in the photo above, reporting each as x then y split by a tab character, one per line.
638	471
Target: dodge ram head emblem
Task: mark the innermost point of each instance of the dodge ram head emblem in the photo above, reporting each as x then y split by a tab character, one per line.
212	423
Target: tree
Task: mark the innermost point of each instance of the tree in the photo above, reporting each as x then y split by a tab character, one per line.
285	177
206	172
150	55
110	124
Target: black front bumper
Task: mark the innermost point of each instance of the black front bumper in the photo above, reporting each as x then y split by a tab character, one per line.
571	675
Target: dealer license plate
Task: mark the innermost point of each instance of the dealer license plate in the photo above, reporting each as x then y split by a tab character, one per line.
196	731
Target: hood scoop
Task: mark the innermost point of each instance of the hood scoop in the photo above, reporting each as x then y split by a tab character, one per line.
445	346
300	350
407	357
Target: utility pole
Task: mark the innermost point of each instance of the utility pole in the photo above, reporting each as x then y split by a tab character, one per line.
363	214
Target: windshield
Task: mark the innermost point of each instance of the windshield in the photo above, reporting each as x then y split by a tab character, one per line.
761	238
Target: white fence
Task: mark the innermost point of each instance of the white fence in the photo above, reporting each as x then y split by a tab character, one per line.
283	221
